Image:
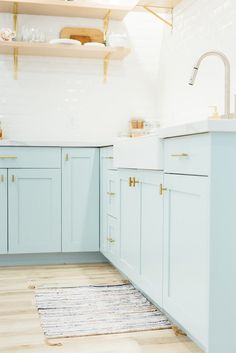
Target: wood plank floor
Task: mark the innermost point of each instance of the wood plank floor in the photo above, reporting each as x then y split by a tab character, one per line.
20	329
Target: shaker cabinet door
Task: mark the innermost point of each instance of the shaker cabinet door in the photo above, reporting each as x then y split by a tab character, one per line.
186	245
129	210
34	203
3	211
80	199
152	235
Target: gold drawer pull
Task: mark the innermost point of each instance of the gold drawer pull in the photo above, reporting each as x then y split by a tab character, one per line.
111	193
13	178
8	157
162	189
180	155
2	178
67	157
133	181
108	157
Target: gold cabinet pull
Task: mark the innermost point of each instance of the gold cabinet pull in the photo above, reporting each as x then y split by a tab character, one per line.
67	157
8	157
130	182
135	181
162	189
111	193
110	157
13	178
180	155
2	178
111	240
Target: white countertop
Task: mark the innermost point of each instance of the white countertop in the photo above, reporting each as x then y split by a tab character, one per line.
198	127
28	143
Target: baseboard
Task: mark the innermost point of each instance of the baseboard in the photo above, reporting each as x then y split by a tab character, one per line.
51	259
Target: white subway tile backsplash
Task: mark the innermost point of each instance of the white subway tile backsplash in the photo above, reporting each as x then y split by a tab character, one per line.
66	98
199	26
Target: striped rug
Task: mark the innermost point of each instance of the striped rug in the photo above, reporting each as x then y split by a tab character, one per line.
96	310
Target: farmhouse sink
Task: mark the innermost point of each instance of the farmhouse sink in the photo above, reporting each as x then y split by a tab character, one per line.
144	152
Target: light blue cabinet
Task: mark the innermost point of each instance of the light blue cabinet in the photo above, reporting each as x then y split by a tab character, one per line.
130	223
34	210
151	253
141	229
186	237
3	211
106	164
80	199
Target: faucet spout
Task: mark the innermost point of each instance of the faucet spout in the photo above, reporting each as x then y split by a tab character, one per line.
226	62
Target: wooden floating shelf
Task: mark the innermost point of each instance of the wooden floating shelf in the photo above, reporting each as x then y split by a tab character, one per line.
59	50
66	8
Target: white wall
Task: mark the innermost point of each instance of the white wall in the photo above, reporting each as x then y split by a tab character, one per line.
56	98
199	26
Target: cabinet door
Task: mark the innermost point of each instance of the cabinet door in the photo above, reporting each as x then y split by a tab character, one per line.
80	199
152	235
129	209
34	210
106	163
186	252
3	211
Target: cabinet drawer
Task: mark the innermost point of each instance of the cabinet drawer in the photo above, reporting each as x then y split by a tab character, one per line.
188	155
107	157
112	246
112	194
30	157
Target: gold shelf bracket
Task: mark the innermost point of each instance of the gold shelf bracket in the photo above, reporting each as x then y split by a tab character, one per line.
15	61
106	66
154	13
106	22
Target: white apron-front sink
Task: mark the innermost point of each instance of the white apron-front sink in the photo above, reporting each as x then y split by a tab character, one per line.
144	152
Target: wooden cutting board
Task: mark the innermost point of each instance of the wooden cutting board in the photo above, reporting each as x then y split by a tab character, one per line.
84	35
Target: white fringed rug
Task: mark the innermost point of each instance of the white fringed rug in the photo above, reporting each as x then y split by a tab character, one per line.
96	310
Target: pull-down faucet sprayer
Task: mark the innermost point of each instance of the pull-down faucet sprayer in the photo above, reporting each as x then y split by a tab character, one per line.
227	76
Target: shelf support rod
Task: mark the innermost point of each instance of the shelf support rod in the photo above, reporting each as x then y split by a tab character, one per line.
106	25
148	9
15	17
106	66
15	51
15	61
